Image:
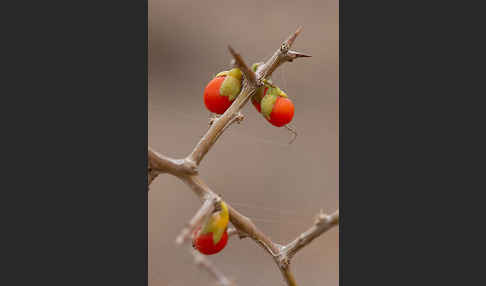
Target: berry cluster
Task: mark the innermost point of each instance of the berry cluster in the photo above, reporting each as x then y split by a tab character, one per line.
269	100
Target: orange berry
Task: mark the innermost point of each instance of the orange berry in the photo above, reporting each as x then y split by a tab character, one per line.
214	101
282	112
222	90
275	106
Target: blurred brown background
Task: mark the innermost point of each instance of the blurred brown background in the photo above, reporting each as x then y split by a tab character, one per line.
280	186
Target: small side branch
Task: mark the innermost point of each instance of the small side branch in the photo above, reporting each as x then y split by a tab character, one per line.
322	224
204	263
198	219
282	55
240	63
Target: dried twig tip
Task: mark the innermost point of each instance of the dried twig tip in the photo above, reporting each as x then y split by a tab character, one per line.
294	133
292	37
232	51
299	29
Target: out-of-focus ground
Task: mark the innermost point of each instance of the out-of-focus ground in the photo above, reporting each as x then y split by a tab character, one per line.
281	187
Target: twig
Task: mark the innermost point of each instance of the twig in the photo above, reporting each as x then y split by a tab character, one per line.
199	218
282	55
207	265
293	131
240	63
322	224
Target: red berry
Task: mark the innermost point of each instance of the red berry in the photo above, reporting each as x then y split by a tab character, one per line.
282	112
204	243
212	99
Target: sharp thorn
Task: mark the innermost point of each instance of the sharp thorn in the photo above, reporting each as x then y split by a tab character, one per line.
296	54
292	37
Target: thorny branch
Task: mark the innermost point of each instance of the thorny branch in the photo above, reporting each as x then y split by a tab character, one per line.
186	170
